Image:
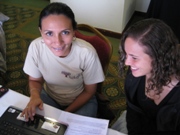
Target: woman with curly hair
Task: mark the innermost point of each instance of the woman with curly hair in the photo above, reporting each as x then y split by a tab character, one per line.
152	53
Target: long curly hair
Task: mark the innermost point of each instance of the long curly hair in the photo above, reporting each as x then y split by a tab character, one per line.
161	45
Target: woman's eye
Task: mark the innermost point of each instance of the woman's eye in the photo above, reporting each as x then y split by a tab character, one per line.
134	58
65	32
49	33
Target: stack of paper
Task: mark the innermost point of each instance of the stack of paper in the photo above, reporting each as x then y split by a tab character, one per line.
82	125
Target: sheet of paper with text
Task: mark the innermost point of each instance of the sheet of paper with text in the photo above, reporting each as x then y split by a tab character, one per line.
82	125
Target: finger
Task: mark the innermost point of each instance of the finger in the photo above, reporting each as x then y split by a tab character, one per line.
30	113
33	111
26	114
41	106
22	113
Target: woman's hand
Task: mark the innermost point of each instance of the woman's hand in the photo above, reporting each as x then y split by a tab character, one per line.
30	109
35	85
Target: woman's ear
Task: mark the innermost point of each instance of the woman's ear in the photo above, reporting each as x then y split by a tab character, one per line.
74	31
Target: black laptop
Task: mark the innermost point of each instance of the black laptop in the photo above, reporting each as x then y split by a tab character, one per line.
10	124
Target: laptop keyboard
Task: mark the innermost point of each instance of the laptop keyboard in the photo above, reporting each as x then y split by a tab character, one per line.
10	125
7	128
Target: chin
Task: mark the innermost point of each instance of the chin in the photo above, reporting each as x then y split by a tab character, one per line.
59	54
136	74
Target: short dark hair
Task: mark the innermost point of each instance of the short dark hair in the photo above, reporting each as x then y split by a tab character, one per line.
57	8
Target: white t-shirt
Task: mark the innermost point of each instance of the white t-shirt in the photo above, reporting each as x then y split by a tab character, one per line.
64	77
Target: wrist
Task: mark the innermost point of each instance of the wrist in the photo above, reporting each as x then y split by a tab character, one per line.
35	92
34	89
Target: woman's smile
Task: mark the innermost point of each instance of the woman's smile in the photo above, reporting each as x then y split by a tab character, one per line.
57	33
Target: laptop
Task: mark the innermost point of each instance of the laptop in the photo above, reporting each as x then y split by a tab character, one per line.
12	124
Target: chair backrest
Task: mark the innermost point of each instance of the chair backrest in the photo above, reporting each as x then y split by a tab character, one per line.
104	50
99	41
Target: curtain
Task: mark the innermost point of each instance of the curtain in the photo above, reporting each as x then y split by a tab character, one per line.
168	11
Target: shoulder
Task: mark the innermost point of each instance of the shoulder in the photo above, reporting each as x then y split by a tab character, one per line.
83	49
37	44
38	40
83	45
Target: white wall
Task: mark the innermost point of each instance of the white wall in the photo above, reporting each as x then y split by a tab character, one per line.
104	14
111	15
142	5
129	8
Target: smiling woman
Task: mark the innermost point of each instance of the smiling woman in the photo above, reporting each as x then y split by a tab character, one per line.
69	67
57	36
152	86
136	58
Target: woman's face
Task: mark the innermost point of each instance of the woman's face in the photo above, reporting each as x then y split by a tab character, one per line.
137	59
57	33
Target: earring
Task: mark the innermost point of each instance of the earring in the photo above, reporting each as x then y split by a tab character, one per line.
74	38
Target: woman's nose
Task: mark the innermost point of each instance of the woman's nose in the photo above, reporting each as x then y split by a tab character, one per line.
127	62
58	39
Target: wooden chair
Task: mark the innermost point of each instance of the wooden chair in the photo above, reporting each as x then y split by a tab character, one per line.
104	50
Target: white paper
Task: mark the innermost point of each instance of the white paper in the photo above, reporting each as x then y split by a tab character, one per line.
53	127
19	117
114	132
82	125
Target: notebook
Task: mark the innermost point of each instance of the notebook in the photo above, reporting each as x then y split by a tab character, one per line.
12	124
